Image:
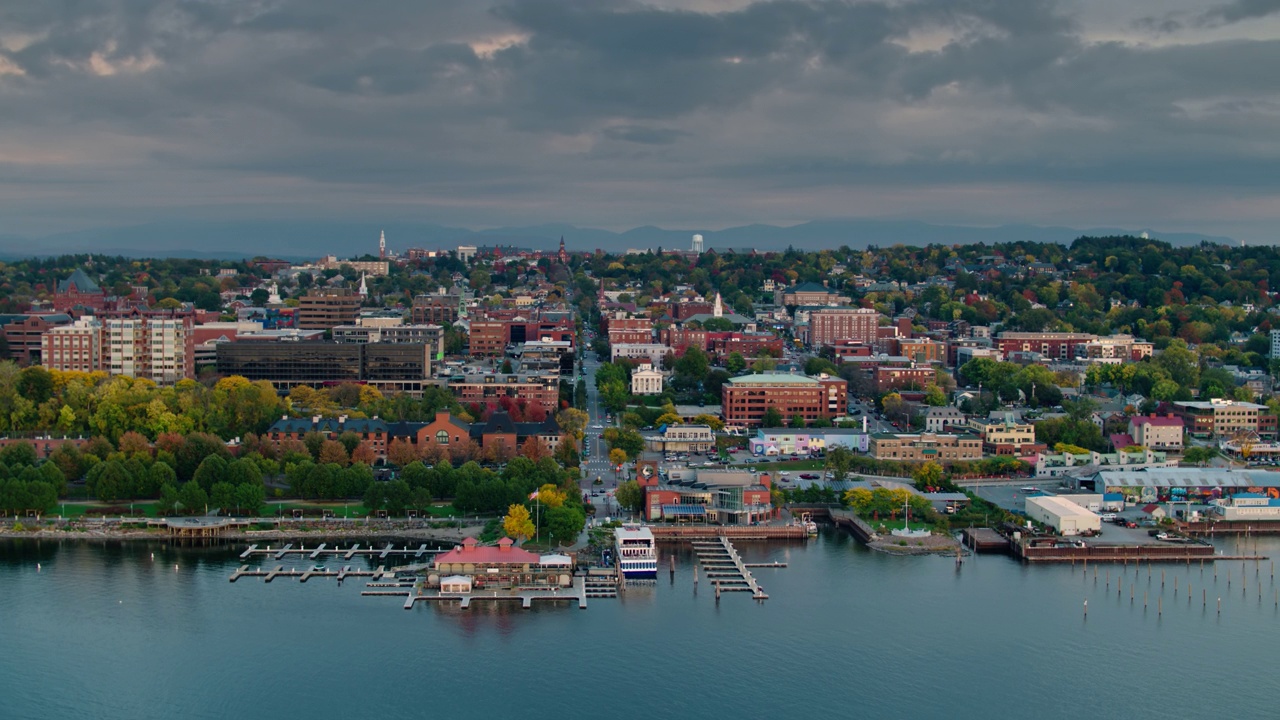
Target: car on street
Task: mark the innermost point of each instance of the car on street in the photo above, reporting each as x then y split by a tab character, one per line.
808	476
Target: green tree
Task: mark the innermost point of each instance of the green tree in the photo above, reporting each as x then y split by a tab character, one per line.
212	471
222	496
927	475
194	499
772	418
735	363
250	498
630	496
565	523
839	462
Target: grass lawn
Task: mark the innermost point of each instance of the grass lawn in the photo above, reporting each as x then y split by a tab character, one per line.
80	509
790	465
897	524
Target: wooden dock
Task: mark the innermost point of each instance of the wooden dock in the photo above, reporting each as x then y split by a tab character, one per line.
725	568
346	553
688	533
525	596
983	540
305	574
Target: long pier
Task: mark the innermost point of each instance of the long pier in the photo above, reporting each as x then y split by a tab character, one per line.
346	553
725	568
525	596
305	574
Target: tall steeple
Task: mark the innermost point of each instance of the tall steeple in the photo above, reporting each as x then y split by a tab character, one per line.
564	256
382	246
364	289
717	310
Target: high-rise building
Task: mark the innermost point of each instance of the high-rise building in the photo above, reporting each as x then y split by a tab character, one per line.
831	326
1275	343
76	347
322	309
160	349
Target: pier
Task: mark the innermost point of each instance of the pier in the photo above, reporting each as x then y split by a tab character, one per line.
526	596
346	553
305	574
726	570
985	540
688	533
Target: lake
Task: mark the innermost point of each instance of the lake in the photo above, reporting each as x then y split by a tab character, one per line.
108	631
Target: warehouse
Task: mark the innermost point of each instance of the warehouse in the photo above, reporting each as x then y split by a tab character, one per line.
1065	516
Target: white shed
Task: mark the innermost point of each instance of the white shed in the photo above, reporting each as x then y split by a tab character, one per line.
455	584
1063	515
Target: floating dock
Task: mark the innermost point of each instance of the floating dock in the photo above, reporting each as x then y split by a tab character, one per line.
725	569
346	553
525	596
305	574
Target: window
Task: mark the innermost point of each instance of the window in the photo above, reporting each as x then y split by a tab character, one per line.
442	437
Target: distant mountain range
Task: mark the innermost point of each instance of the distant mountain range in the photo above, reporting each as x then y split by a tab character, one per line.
309	239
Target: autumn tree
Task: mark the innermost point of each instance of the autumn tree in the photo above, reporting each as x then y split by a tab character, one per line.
363	453
534	448
400	452
927	475
551	496
617	456
332	451
517	523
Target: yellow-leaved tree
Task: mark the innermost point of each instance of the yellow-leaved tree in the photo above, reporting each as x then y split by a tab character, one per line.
551	496
517	523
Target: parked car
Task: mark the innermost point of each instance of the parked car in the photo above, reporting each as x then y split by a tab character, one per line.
808	476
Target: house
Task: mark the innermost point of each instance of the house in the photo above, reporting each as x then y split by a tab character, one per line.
940	419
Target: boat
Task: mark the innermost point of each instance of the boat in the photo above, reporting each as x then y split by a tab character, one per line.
810	527
637	555
318	568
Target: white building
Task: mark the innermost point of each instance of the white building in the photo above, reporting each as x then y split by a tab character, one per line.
646	381
158	349
1063	515
647	352
1275	343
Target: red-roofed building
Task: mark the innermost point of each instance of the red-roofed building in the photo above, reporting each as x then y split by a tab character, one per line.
502	563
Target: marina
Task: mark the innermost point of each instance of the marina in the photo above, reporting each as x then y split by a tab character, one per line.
324	549
726	570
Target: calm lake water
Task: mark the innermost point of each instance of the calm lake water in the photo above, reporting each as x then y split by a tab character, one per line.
105	631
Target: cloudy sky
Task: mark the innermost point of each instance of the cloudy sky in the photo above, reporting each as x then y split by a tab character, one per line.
613	113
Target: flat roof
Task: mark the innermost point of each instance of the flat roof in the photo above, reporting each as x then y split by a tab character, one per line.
1187	477
772	379
1062	506
633	532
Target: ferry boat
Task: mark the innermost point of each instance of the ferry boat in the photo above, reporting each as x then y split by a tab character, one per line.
637	555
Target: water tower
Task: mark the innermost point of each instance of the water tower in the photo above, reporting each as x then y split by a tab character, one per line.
697	243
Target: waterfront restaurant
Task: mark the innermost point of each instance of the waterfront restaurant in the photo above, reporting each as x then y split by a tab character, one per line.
499	566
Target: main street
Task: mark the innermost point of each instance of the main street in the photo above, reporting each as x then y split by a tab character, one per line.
595	460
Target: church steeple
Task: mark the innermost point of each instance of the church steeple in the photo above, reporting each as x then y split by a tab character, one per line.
382	246
564	256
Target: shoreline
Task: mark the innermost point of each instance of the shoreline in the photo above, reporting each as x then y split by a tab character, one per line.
320	529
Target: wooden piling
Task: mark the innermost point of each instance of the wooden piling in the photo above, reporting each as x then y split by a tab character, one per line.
1086	608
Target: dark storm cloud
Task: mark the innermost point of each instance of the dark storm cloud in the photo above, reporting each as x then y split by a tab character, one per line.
520	111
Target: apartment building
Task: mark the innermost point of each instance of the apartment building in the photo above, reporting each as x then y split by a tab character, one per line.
1223	418
326	308
542	389
831	326
75	348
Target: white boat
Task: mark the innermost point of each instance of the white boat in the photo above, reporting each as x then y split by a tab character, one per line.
637	556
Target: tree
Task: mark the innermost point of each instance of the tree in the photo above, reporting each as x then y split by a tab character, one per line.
711	421
572	422
797	421
617	456
551	496
1199	455
566	454
250	498
927	475
630	496
934	397
332	451
400	453
565	523
223	495
193	498
534	448
212	471
772	418
364	453
839	462
517	523
735	363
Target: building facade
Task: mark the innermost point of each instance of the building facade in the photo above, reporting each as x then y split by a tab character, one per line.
831	326
926	446
1218	417
745	399
76	347
542	390
324	309
646	381
1056	345
1157	432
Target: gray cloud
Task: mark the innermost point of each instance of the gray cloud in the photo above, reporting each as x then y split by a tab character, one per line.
616	113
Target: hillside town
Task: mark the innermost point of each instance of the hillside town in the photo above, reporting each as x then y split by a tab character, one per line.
709	385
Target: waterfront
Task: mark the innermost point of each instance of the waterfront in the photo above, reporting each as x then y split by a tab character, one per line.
103	630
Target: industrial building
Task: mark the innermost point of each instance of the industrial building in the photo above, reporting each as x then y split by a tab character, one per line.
1063	515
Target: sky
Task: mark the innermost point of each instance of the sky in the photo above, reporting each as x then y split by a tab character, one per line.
615	113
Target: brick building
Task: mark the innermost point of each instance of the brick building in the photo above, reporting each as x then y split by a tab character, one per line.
78	292
830	326
903	378
1224	418
745	399
24	333
1158	432
75	347
323	309
1058	345
926	446
541	390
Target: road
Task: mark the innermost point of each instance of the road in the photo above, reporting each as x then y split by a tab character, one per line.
595	461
